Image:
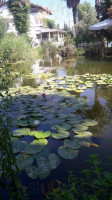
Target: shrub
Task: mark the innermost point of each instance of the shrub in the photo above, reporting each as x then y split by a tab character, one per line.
16	50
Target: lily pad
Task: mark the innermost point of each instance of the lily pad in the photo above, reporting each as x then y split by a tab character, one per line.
41	134
63	127
67	153
18	146
90	122
21	132
61	135
79	127
81	137
44	167
84	133
72	144
32	171
22	117
36	146
44	153
24	161
54	160
22	123
74	121
85	143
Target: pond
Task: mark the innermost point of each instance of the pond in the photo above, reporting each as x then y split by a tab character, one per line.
75	101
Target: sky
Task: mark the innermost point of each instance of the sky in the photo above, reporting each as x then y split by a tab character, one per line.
61	14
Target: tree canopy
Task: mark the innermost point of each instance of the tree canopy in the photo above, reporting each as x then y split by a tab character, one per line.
104	6
49	23
83	9
88	18
73	4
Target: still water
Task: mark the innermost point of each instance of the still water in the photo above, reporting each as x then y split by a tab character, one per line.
100	100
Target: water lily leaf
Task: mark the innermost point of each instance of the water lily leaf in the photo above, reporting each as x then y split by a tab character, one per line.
79	127
53	128
36	146
44	167
84	133
63	116
21	132
61	135
37	115
79	91
32	171
63	127
94	145
44	153
18	146
24	161
22	117
74	121
85	143
41	134
54	160
72	144
22	123
89	122
81	137
67	153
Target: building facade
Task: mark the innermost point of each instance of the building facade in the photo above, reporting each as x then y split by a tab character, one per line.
37	31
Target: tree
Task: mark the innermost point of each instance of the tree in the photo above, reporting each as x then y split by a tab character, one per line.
73	4
49	23
106	12
83	34
20	11
110	12
83	8
104	6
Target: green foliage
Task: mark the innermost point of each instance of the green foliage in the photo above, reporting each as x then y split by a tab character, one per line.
46	51
69	43
104	6
110	12
17	51
83	34
3	27
20	11
49	23
69	38
96	184
79	52
82	9
7	158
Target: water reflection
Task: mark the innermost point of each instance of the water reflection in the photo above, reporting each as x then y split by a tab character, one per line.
98	112
83	66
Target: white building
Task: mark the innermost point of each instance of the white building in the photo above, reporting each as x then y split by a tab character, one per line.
37	31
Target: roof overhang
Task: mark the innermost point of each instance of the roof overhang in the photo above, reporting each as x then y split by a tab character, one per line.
102	25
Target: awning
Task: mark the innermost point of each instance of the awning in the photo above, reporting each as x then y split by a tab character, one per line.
101	25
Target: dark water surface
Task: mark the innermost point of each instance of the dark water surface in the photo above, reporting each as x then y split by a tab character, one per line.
100	100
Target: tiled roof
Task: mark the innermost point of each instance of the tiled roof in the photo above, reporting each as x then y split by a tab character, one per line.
32	6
